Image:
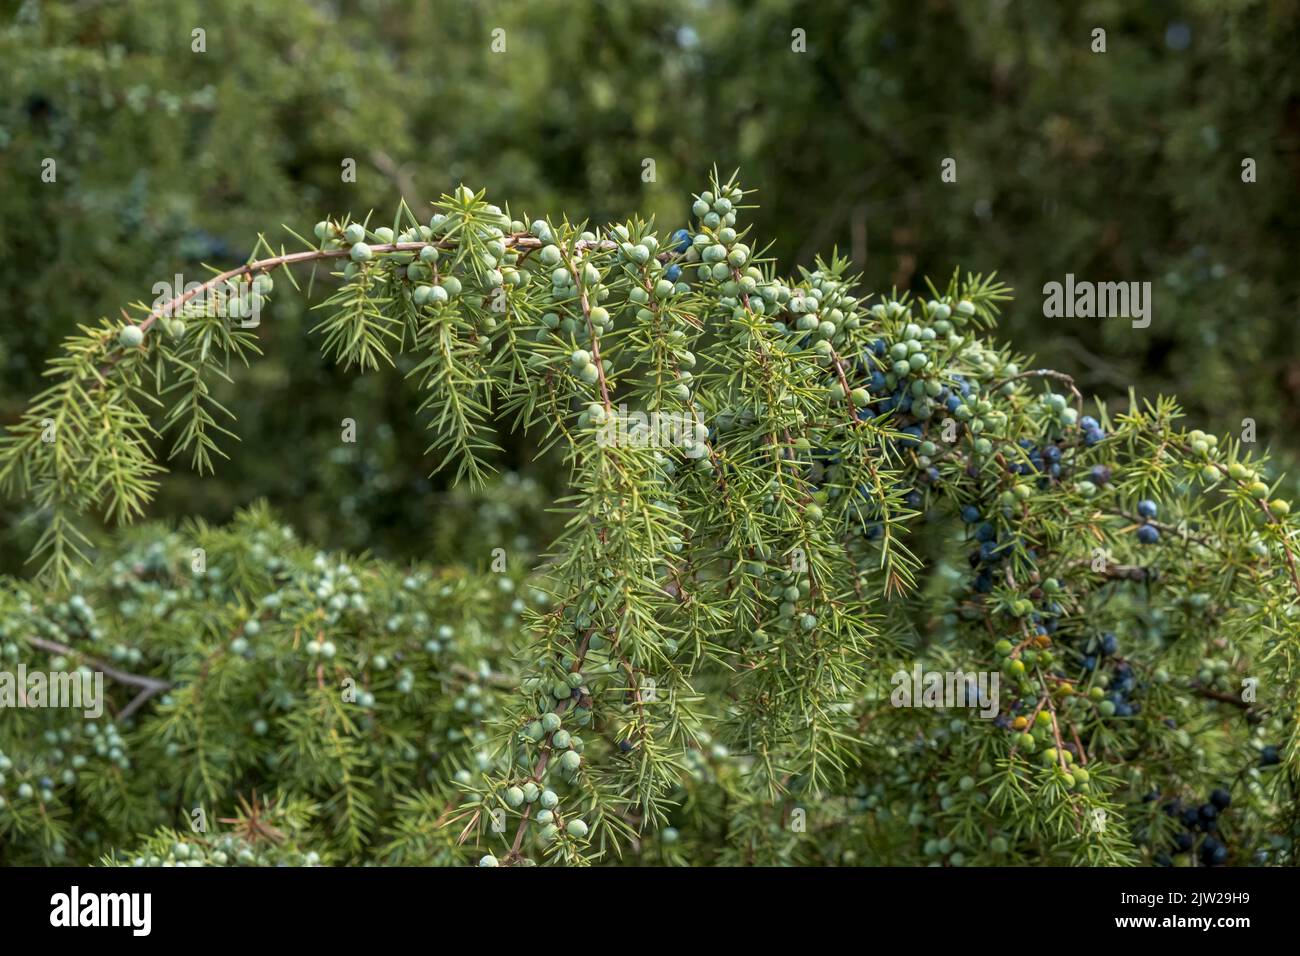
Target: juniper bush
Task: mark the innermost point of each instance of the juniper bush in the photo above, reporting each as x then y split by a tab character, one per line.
705	648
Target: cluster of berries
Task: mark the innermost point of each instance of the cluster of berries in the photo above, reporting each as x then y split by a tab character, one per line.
1202	819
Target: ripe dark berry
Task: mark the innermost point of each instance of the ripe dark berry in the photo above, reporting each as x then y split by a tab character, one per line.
1213	852
1221	798
1148	534
1268	756
1147	508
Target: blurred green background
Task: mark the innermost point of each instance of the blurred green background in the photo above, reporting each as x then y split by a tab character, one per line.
1122	165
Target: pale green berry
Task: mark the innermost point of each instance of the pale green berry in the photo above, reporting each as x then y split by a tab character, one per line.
354	233
515	797
360	252
570	760
488	860
452	285
576	828
130	337
551	721
549	799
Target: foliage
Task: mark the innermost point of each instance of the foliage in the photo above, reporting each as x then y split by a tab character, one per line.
1119	165
707	673
326	695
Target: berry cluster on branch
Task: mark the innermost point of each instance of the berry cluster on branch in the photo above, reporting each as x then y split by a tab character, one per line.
858	488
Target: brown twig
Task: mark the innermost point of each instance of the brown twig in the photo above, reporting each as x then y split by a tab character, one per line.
148	685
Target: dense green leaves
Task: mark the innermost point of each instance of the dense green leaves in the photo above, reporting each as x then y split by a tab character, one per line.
771	486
